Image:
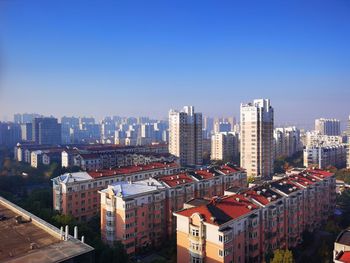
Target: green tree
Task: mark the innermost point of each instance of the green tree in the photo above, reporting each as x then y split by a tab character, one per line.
250	180
282	256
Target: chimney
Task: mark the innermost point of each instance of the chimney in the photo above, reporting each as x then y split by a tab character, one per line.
61	233
67	232
76	232
82	239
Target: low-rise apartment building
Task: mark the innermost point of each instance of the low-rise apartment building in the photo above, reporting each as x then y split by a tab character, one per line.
247	225
145	208
76	194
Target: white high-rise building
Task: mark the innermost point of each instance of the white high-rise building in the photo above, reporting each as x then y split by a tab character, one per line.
257	152
286	141
327	126
224	146
185	136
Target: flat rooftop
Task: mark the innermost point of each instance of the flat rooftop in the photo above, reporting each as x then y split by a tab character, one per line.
31	239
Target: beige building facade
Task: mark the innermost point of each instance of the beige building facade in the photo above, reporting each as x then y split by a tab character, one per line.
257	120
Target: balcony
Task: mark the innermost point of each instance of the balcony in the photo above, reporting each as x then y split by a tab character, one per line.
110	228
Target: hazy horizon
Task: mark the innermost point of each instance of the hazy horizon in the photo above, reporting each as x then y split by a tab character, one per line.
141	59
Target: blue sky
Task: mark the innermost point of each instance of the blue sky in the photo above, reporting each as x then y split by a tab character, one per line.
145	57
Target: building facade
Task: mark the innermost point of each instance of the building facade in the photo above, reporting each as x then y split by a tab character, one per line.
46	131
185	136
324	156
224	146
76	194
286	141
140	213
257	155
327	126
247	225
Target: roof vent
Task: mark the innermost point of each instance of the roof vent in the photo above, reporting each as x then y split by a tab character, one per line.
177	177
177	182
258	192
269	199
33	246
213	218
171	178
237	199
250	207
274	196
290	189
294	188
264	190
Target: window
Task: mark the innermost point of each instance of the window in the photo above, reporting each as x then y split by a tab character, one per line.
195	232
196	259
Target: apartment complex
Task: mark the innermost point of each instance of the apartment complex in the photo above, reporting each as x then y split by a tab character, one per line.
45	157
10	134
92	157
140	214
224	146
26	131
324	156
256	136
246	225
286	141
314	138
27	238
76	194
185	136
327	126
46	131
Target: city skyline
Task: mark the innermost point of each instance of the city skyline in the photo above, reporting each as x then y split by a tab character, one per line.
136	62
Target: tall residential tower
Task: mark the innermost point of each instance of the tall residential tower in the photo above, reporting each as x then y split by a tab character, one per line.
185	135
257	138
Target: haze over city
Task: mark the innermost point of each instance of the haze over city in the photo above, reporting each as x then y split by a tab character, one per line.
175	131
143	58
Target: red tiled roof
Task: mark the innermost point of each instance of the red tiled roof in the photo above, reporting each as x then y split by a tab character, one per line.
345	257
222	209
260	198
176	179
131	169
319	173
304	180
204	174
226	169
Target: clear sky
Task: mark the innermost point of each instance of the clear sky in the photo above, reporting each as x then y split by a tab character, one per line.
145	57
